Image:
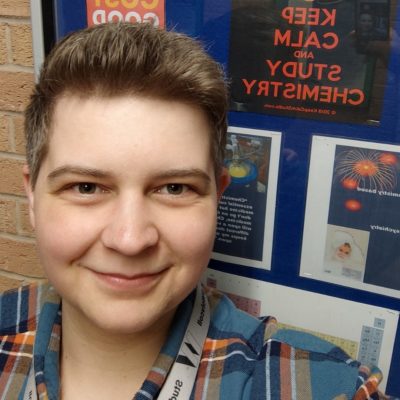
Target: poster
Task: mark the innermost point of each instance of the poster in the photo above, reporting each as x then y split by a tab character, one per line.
352	221
318	59
101	11
247	208
365	332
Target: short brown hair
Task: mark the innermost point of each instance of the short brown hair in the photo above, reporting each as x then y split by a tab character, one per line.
111	60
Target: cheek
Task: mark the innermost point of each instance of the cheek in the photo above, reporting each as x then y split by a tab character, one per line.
61	237
191	236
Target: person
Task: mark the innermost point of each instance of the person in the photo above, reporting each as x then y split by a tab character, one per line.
343	252
370	39
366	28
125	140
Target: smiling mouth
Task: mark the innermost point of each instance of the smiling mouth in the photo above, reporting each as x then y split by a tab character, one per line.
125	277
122	282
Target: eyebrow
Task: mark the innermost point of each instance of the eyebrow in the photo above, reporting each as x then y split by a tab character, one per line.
185	173
100	174
77	170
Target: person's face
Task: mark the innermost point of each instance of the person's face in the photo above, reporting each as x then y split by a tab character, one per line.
365	23
343	252
124	208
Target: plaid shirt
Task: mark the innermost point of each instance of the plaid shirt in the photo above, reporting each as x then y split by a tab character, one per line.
243	358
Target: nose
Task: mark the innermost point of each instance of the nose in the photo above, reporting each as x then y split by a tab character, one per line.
129	228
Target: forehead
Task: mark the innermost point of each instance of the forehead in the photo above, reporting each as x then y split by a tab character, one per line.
96	129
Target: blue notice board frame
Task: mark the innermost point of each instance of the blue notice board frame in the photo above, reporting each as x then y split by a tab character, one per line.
210	21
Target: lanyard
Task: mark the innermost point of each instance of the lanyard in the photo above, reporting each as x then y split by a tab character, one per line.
180	380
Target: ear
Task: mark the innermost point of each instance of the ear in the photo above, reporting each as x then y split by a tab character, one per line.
224	180
29	193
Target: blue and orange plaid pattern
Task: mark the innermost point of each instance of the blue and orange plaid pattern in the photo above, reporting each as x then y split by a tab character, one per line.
243	358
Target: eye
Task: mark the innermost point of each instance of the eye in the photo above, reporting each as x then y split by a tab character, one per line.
174	189
86	188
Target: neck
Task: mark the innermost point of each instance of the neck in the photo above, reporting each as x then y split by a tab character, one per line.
99	364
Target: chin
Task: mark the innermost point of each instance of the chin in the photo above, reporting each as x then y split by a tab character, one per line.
131	321
123	326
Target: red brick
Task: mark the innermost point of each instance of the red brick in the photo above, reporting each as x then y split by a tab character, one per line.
8	220
24	225
19	135
21	44
15	90
3	44
20	258
11	176
4	133
15	8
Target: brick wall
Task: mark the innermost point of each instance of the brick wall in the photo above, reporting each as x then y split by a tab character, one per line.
18	260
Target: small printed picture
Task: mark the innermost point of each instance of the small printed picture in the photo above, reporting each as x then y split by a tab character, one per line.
247	208
345	252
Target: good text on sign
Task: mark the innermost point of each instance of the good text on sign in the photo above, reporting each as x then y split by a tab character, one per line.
101	11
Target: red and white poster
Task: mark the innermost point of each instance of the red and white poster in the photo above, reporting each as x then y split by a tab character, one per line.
101	11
